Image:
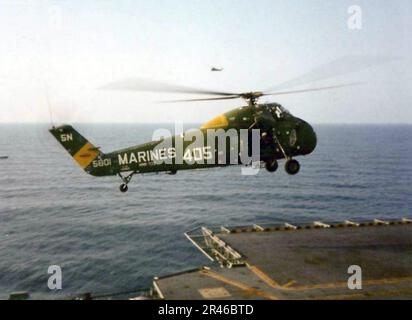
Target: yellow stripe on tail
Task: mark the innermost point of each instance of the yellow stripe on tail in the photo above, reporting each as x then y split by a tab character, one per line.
85	156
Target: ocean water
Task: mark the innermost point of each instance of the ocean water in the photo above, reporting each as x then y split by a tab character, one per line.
52	213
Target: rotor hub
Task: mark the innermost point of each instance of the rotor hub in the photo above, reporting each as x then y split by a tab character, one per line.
251	97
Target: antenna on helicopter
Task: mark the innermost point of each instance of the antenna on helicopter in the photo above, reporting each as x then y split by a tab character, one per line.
46	90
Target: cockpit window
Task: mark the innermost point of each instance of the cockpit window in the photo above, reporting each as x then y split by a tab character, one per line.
279	112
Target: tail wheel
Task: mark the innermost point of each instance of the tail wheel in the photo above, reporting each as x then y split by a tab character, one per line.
124	187
271	166
292	166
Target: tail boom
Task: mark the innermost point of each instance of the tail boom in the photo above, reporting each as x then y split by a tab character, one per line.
82	151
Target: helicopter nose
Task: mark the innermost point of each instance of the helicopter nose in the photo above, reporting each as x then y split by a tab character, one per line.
307	137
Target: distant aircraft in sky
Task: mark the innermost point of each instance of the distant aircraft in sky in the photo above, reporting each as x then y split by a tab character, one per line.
216	69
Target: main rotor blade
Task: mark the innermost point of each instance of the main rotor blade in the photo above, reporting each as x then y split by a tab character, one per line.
341	66
202	99
137	84
311	89
270	93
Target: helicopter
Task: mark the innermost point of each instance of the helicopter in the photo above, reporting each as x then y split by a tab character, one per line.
282	136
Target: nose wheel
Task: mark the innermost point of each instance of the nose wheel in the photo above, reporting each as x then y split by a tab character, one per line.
292	166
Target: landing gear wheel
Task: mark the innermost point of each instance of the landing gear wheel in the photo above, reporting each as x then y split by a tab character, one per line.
271	166
124	187
292	166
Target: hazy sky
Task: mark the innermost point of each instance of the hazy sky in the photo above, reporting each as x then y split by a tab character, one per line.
73	47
